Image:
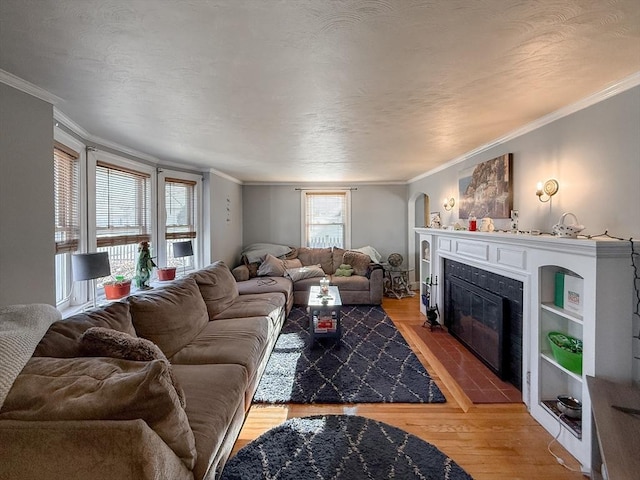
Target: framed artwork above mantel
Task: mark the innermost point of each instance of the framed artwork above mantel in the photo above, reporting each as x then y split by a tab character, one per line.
486	189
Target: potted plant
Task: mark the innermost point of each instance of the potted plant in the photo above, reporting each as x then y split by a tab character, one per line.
117	288
166	273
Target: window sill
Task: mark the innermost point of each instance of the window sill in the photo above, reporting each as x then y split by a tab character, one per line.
102	301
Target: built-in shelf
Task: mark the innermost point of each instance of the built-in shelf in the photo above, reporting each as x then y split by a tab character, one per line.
549	358
573	425
550	307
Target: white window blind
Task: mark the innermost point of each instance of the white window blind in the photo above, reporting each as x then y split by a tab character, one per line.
67	198
325	219
180	205
122	206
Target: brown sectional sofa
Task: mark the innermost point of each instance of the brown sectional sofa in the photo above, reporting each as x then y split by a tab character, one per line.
72	415
363	287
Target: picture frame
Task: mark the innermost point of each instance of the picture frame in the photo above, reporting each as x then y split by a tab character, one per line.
486	189
435	220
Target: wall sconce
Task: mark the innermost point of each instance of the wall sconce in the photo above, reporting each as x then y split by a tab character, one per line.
550	188
449	203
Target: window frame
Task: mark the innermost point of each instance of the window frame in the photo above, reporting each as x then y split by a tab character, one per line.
95	156
308	193
75	293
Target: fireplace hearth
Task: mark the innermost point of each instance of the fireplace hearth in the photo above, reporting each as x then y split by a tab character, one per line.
483	310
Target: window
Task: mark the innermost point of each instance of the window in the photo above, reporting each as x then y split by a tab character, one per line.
123	212
326	221
180	210
66	177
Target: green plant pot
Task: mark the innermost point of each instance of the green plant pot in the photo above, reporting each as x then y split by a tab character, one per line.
567	351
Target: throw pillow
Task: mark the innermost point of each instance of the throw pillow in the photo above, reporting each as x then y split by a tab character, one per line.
310	271
293	263
217	286
257	251
344	270
271	267
106	342
62	340
82	388
171	316
359	261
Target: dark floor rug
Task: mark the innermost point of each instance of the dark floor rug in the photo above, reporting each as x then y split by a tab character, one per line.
340	447
374	364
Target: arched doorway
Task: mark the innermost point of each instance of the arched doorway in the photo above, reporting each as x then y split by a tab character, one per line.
418	213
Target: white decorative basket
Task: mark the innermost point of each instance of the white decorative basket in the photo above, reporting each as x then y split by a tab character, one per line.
561	229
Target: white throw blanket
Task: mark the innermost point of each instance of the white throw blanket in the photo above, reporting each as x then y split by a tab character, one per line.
21	329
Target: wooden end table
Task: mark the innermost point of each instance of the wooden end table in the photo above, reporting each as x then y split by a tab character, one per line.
324	314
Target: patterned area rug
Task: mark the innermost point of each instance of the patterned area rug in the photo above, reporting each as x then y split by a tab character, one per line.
374	364
340	447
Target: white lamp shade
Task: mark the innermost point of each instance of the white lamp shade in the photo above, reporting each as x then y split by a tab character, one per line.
87	266
182	249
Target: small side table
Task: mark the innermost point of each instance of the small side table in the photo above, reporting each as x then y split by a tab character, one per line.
396	282
324	314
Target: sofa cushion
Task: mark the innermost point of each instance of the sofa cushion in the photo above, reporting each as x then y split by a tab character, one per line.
354	283
106	342
317	256
216	395
359	261
255	305
62	340
266	285
271	266
102	389
217	286
171	316
240	341
309	271
337	254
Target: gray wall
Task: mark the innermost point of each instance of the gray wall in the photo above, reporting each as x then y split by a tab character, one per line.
378	214
223	220
593	153
27	246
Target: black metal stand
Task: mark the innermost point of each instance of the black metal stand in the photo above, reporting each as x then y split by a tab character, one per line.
432	311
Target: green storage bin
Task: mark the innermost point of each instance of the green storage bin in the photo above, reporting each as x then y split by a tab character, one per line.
567	351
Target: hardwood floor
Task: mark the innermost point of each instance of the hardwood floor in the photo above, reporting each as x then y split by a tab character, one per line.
490	441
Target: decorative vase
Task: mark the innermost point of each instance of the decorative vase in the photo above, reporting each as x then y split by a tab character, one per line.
324	285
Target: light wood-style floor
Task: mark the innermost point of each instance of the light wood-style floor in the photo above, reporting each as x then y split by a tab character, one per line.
490	441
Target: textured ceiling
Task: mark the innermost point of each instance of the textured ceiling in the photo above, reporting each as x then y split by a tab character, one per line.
315	90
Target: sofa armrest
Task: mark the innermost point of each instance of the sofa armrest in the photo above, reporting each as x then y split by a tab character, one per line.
241	273
376	285
97	449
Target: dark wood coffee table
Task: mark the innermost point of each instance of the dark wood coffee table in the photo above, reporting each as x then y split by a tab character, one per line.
324	314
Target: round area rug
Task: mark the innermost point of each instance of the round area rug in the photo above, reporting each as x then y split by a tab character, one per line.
340	447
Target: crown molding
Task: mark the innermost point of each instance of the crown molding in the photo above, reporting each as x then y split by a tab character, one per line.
321	185
29	88
620	86
218	173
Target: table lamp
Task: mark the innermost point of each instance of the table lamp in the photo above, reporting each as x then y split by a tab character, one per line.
182	249
89	266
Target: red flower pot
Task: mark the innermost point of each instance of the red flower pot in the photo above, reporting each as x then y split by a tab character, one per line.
116	290
167	273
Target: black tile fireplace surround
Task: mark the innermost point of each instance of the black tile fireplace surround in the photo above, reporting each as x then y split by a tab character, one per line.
483	310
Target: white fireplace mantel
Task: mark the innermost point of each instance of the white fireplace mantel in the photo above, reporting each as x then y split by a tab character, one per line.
606	325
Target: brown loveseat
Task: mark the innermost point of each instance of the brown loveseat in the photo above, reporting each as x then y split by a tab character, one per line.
74	414
364	286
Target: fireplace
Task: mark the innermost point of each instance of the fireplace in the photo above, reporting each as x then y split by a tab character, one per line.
483	310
